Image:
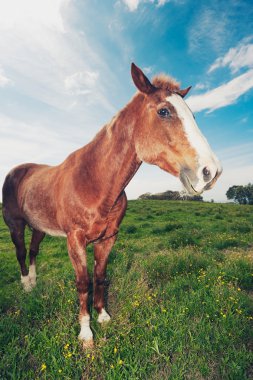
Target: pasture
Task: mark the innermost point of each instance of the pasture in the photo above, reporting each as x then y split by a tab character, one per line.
180	285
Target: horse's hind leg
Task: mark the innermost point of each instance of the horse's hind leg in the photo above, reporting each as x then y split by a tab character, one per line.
37	237
17	229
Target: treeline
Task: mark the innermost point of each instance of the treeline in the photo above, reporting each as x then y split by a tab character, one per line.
241	194
172	196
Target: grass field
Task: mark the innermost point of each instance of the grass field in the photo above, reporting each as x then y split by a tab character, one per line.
180	285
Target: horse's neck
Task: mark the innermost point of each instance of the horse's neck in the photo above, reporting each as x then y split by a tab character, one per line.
110	160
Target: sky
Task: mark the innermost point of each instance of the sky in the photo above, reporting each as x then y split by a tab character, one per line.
65	72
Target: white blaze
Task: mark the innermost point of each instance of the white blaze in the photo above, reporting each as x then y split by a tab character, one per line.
205	156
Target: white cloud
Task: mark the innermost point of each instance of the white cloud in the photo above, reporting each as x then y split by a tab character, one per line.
208	30
4	81
227	93
223	95
32	14
148	70
236	58
81	82
200	86
43	52
132	4
160	3
22	142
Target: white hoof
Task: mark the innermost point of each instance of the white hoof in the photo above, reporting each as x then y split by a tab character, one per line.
32	275
103	317
26	282
86	335
33	281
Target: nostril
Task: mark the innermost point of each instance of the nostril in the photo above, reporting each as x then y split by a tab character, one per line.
206	173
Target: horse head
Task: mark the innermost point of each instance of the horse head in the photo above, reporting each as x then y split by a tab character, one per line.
167	135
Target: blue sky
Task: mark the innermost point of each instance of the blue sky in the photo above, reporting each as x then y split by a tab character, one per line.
65	71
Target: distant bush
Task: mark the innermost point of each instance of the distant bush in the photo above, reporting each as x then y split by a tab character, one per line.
172	196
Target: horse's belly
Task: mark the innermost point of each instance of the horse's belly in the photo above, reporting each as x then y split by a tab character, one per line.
40	224
54	232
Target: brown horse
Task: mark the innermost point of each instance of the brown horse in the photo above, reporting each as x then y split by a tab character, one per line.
83	198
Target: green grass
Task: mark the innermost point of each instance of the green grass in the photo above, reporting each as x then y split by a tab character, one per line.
180	296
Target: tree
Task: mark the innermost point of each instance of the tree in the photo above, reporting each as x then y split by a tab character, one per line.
249	193
231	193
241	194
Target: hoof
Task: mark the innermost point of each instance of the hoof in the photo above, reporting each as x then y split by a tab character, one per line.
33	281
103	317
27	284
88	344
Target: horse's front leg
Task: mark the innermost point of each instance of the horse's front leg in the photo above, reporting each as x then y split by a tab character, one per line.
77	254
101	252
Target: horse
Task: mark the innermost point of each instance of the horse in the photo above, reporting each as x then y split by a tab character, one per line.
83	198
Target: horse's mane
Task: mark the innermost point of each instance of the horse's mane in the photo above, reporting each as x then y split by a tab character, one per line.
165	82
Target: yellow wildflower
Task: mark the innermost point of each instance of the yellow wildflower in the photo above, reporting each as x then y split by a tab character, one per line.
43	367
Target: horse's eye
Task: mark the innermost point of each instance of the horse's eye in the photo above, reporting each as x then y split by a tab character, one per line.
164	112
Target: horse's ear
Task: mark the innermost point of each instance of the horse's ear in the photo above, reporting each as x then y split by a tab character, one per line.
184	92
141	81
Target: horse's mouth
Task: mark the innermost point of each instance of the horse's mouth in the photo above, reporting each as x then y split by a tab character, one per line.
188	186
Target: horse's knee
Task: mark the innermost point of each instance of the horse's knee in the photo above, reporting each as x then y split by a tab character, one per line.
100	281
82	285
